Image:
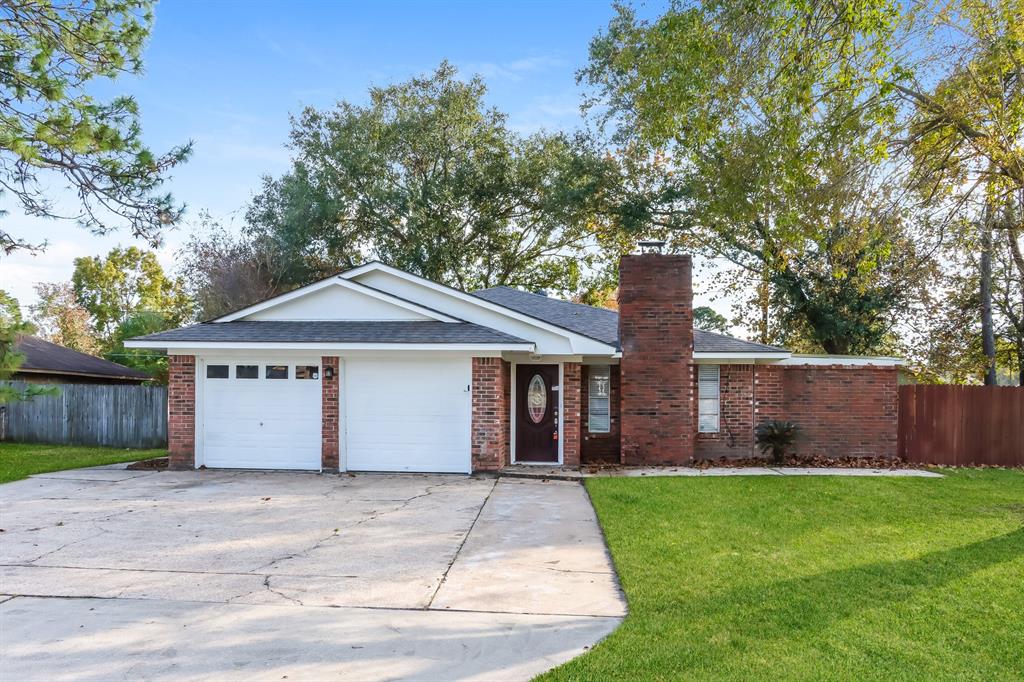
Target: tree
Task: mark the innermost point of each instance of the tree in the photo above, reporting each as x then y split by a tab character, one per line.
139	324
707	319
428	179
51	51
126	282
964	138
224	272
772	122
11	328
60	318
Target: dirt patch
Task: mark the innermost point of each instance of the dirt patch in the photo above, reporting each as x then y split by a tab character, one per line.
148	464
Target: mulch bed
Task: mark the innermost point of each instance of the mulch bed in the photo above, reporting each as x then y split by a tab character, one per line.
808	461
148	464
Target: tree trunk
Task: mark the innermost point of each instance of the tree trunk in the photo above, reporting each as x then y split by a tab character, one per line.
988	334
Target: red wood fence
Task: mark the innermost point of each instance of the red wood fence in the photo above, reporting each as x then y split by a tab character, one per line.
961	425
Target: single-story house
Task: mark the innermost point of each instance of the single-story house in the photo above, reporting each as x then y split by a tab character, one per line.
376	369
49	363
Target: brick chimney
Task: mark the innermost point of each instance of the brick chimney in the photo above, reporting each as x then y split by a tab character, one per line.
656	333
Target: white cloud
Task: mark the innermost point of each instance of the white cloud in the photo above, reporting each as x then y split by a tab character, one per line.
514	70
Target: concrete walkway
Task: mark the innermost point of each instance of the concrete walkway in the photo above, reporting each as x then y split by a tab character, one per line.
527	471
113	574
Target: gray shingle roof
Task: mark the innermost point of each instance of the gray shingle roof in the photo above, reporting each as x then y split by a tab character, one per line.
334	332
43	356
602	324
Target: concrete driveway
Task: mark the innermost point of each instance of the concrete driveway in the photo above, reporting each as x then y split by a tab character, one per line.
115	574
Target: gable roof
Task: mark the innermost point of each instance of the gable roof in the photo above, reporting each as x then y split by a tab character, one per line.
603	324
334	331
43	357
333	280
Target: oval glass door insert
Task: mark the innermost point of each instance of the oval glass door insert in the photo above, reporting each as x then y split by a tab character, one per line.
537	399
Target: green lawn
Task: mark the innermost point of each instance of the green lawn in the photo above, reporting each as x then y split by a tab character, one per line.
814	578
20	460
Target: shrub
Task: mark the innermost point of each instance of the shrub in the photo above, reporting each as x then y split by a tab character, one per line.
776	436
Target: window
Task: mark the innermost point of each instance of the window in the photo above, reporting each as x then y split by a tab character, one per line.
708	398
277	371
247	371
537	399
307	371
599	389
216	371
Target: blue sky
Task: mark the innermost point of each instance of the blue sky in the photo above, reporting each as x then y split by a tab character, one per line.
228	74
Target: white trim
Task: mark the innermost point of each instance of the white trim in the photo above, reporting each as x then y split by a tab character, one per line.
336	280
208	346
342	416
469	298
714	358
850	360
513	407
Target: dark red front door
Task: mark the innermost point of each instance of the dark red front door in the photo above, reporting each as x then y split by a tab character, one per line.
537	413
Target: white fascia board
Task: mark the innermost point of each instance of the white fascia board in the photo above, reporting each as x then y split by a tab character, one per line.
284	345
850	360
580	343
706	358
336	280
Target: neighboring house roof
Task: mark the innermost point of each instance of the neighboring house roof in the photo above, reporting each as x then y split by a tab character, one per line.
603	324
335	331
43	357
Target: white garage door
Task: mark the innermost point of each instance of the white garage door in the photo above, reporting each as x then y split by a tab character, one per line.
260	414
407	414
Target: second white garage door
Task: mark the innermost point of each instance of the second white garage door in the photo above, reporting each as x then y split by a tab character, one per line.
407	414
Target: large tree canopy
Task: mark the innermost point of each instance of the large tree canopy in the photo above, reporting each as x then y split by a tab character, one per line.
124	283
427	178
49	53
772	120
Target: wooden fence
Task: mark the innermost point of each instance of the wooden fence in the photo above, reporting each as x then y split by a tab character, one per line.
962	425
90	414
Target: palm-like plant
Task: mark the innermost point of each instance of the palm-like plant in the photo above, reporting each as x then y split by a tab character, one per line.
777	436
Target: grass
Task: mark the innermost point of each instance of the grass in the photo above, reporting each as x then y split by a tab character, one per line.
814	578
21	460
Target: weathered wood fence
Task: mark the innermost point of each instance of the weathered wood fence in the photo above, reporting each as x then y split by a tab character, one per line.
962	425
90	414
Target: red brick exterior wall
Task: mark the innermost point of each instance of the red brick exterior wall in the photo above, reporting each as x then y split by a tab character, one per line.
600	447
492	405
181	411
656	333
735	436
571	422
330	395
841	410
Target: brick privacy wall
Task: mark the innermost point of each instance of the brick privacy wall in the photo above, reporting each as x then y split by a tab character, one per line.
841	410
571	422
735	437
492	401
656	333
600	447
181	411
329	411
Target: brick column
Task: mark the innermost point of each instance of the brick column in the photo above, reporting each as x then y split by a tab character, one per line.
181	411
491	395
571	417
329	433
656	334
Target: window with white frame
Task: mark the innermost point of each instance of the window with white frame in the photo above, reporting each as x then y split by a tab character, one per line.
708	398
599	391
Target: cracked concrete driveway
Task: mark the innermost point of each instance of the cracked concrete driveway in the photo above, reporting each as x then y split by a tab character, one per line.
116	574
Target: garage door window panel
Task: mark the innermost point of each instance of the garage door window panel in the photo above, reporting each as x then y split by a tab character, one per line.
277	371
216	371
247	371
307	371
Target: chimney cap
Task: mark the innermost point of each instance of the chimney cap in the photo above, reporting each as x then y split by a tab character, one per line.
651	245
